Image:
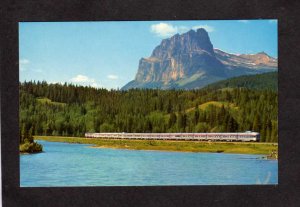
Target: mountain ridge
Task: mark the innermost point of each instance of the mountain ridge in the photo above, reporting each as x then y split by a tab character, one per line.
189	61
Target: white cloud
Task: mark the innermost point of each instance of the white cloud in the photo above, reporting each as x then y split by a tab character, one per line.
112	77
81	79
206	27
243	21
85	81
163	29
167	30
96	85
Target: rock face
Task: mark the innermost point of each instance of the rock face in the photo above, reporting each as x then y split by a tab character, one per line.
189	61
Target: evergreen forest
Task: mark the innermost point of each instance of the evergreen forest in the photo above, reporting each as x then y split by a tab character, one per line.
70	110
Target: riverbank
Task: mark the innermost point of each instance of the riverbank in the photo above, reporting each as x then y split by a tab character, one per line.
180	146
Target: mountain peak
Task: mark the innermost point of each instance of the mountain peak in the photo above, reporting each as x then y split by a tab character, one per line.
188	61
197	31
202	30
188	43
262	53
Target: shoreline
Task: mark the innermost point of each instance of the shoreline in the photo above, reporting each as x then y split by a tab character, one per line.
263	149
263	156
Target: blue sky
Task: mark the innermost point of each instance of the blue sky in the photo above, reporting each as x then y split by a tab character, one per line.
106	54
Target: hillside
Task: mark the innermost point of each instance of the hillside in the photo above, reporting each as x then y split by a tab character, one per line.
266	81
68	110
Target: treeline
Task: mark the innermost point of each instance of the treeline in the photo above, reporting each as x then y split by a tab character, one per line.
265	81
68	110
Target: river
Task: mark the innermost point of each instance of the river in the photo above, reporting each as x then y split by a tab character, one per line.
64	164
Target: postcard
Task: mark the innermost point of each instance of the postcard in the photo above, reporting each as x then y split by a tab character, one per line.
148	103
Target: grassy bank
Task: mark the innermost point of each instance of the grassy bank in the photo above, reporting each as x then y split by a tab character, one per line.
184	146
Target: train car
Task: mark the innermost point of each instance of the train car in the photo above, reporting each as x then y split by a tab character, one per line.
247	136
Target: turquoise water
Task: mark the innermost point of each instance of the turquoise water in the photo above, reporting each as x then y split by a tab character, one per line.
64	164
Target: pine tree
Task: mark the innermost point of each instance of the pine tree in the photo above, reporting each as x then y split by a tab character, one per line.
196	115
172	119
169	106
30	135
24	133
256	124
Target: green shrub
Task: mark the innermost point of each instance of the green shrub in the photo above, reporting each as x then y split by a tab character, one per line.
28	147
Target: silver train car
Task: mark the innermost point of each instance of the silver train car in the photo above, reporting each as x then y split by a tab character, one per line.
247	136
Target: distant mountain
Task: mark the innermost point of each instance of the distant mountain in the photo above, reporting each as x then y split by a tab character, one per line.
255	62
189	61
265	81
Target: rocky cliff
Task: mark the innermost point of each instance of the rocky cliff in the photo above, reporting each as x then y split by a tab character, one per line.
189	61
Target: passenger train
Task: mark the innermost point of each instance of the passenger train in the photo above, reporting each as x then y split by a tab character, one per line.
247	136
